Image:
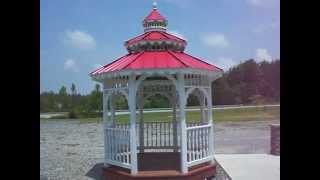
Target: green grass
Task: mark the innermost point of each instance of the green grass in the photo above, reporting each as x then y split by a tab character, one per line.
219	115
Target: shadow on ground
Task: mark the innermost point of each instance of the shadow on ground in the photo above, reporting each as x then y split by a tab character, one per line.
95	172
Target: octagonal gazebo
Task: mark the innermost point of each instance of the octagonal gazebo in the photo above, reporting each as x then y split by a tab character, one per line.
157	64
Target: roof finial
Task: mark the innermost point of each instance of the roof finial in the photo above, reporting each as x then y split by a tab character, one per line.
154	4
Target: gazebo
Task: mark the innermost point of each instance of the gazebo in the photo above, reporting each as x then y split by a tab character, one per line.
157	64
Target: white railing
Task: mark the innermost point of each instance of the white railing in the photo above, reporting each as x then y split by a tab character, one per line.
158	135
118	147
198	138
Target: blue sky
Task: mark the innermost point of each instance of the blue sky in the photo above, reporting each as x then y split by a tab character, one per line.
76	36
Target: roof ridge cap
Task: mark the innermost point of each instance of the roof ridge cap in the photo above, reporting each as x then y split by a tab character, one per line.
202	61
106	65
134	59
174	36
170	52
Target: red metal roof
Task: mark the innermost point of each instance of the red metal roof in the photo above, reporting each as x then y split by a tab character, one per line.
155	35
156	60
154	15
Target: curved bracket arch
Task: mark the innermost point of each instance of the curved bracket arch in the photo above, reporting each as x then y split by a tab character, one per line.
121	91
144	76
205	93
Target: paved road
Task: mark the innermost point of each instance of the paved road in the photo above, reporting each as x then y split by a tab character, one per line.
50	115
250	166
73	150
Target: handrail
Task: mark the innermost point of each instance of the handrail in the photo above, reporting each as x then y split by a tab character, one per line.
117	129
199	127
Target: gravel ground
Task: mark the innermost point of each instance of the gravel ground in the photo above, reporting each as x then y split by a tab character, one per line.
73	150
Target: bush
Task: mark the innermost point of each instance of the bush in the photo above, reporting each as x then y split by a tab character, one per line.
72	114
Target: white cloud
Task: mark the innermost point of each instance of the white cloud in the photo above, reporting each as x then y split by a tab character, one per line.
215	40
80	39
71	65
178	34
263	55
225	63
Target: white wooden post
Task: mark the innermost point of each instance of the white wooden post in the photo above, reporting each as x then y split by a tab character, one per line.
182	104
201	99
174	125
141	126
132	107
211	133
105	125
112	109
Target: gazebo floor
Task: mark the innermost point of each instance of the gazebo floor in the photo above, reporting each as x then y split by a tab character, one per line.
160	166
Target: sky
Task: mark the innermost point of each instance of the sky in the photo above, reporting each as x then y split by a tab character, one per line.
78	36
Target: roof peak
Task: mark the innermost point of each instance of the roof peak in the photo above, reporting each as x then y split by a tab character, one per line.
154	15
154	5
154	21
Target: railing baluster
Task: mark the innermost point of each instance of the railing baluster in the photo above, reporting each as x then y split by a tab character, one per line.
112	144
196	142
122	143
189	146
169	132
158	135
208	141
199	143
165	125
107	143
161	134
205	141
146	144
127	146
118	143
192	144
202	155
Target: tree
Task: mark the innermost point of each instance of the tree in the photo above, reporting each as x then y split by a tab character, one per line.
97	87
63	99
63	91
247	83
95	100
72	113
222	93
73	89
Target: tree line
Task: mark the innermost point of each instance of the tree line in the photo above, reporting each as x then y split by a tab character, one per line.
249	83
246	83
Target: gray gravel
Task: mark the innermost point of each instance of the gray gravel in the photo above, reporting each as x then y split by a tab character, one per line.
73	150
68	149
